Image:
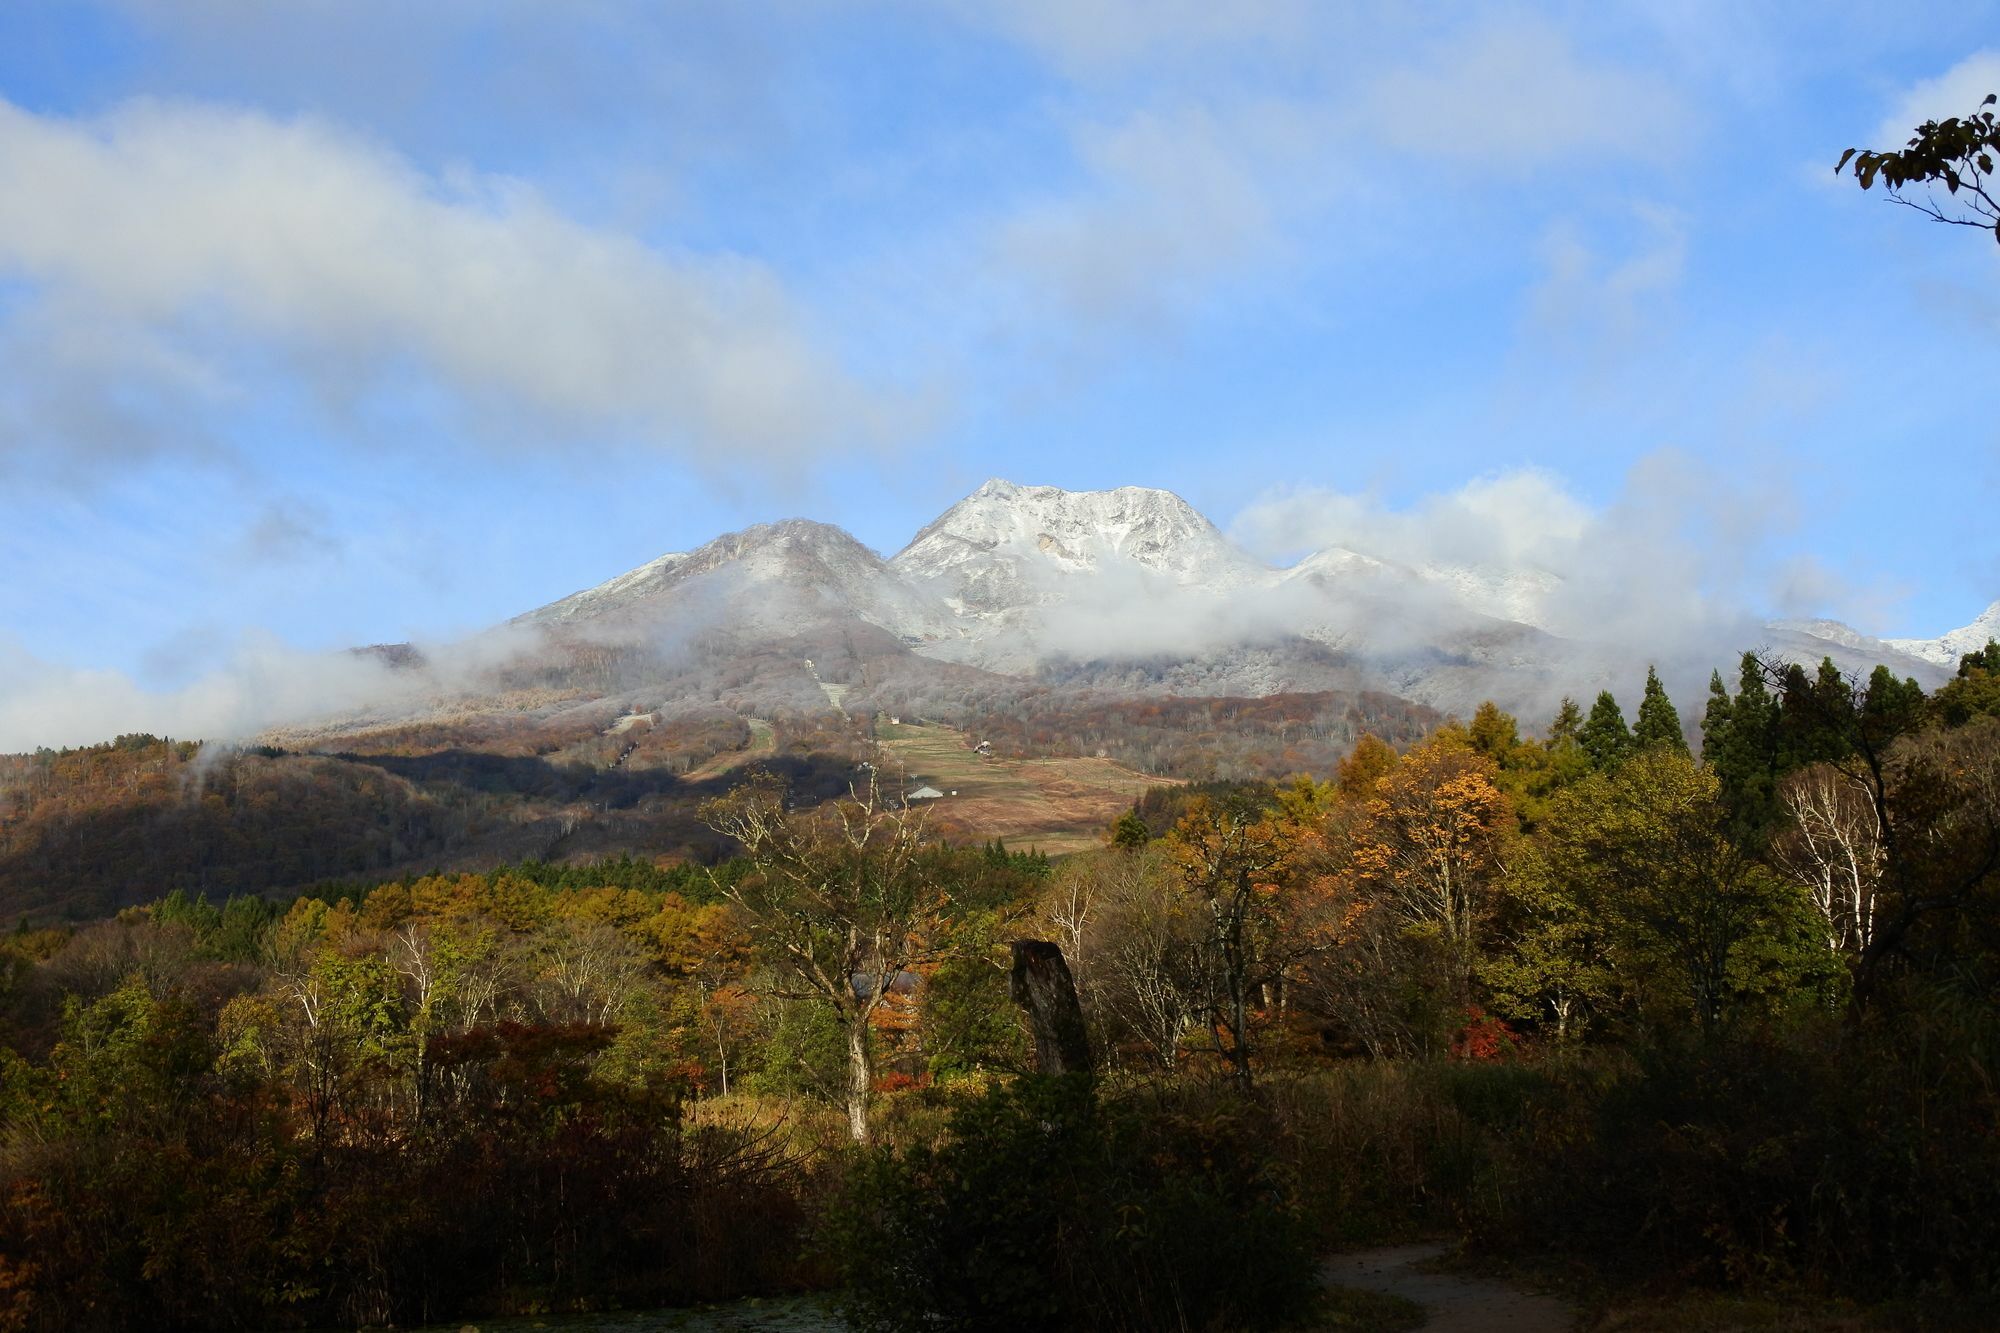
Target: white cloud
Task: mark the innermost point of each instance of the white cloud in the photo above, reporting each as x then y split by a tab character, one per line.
1522	518
1174	202
264	683
1518	96
1599	298
1220	168
1956	92
42	703
1677	565
1088	35
164	228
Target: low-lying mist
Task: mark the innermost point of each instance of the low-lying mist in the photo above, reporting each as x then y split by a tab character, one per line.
1511	587
265	683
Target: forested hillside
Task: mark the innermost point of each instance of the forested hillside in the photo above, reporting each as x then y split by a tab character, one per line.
84	832
1205	739
1678	1015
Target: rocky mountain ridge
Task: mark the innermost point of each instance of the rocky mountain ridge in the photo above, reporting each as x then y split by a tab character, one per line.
1946	649
1135	588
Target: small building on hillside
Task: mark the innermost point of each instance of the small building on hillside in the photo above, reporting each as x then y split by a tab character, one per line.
925	794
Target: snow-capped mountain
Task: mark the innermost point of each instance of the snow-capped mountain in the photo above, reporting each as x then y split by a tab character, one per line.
1518	595
1337	563
775	578
1005	546
1946	649
1133	589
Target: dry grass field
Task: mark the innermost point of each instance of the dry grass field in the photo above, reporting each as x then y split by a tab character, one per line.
763	741
1055	805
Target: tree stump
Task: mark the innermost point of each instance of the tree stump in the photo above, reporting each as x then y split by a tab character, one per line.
1042	985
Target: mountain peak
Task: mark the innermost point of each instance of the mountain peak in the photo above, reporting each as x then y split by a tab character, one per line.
798	554
1946	649
784	534
1000	547
1139	523
1061	501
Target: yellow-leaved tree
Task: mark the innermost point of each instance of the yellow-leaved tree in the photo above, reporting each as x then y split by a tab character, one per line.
1429	849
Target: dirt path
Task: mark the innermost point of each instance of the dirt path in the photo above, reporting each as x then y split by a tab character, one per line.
1455	1304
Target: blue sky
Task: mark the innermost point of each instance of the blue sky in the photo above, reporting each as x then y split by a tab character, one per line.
348	321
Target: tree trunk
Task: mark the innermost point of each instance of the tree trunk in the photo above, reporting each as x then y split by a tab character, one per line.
1239	1036
722	1054
1041	984
1236	962
860	1076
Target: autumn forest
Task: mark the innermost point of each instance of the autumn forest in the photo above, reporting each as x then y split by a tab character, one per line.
1709	1006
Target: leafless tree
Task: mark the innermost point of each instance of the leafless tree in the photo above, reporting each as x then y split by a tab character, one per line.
1071	903
1833	847
1362	983
1142	949
588	972
452	979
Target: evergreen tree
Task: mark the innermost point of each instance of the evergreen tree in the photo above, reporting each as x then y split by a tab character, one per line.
1986	659
1129	831
1534	771
1715	721
1494	734
1658	724
1890	708
1568	724
1974	693
1816	717
1745	759
1604	735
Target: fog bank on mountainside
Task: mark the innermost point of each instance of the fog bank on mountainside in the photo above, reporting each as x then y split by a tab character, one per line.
1508	590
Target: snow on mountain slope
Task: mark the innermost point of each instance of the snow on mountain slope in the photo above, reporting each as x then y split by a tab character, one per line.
1133	588
1519	595
1005	546
611	596
1854	653
774	577
1946	649
1335	563
1834	632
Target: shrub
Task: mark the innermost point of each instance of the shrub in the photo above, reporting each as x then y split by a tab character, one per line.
1856	1162
1046	1207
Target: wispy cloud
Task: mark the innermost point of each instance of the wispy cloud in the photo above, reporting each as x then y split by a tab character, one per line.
262	683
1174	202
1680	562
289	531
1598	299
1218	171
1517	96
1956	92
1089	37
156	233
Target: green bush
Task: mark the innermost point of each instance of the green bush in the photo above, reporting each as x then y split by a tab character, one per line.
1045	1206
1857	1162
804	1056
